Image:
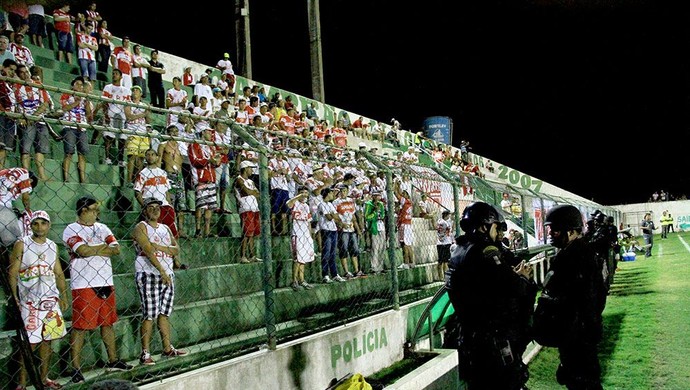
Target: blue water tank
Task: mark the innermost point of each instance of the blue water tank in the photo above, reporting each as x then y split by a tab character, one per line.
439	129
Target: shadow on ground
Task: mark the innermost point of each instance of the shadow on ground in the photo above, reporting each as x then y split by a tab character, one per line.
631	282
612	327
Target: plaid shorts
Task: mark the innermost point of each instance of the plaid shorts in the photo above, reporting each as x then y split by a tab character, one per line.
156	297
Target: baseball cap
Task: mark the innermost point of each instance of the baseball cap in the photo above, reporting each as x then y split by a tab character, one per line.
375	192
247	164
362	145
151	200
216	89
39	214
226	55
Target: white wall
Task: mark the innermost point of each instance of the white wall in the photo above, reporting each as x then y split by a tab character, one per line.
331	354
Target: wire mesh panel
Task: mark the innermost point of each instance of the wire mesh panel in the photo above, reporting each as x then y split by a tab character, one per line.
141	242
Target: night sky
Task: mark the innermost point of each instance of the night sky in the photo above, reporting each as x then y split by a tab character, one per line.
590	96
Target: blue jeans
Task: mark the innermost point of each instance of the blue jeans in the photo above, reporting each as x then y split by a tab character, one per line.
329	240
88	68
649	243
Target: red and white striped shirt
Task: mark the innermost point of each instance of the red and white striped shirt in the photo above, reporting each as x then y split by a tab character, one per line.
13	183
86	53
123	60
22	54
28	98
77	113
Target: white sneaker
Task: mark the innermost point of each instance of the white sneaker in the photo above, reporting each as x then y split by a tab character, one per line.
338	278
108	161
349	275
403	266
306	285
327	279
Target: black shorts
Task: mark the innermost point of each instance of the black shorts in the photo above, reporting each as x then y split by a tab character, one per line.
187	177
443	253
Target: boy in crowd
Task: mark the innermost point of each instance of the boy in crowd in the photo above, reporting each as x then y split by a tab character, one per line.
39	288
302	241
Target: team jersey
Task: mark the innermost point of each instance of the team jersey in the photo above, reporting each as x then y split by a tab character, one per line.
226	66
301	219
405	216
279	181
13	183
77	113
245	201
36	272
123	60
28	99
90	271
346	209
153	182
116	92
159	235
139	124
22	54
86	52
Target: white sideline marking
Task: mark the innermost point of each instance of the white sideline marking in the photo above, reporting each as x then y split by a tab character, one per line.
685	244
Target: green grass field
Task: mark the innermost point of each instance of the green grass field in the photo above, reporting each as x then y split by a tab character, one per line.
646	324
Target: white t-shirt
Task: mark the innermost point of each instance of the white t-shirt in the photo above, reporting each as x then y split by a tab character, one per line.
92	271
326	208
444	232
159	235
36	272
301	219
153	182
116	92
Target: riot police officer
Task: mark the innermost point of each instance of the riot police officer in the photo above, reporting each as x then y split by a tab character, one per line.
599	238
574	279
487	294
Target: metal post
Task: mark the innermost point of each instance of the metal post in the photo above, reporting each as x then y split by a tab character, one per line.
456	206
243	39
431	332
267	255
315	53
390	230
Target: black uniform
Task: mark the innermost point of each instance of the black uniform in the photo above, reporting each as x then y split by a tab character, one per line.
491	302
575	279
599	237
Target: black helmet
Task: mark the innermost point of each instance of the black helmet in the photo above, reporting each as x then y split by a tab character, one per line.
564	217
477	214
600	217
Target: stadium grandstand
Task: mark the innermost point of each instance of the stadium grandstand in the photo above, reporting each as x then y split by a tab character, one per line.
301	248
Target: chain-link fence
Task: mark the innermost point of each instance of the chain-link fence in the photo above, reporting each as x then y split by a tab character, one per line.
154	241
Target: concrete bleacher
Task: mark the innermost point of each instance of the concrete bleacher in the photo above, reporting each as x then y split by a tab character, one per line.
219	302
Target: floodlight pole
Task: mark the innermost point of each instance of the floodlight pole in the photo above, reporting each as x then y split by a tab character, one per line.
242	39
314	16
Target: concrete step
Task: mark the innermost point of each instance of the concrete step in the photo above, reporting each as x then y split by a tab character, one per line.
213	321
